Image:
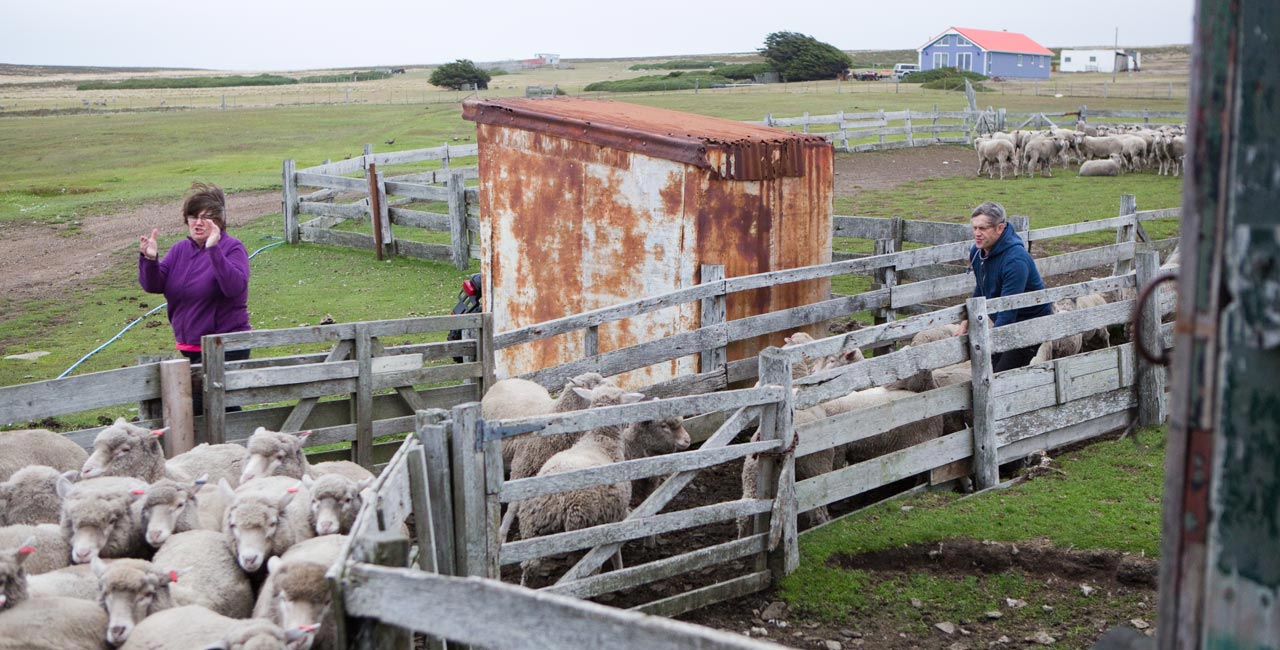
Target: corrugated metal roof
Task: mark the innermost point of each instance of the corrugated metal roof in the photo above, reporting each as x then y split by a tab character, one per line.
997	41
732	150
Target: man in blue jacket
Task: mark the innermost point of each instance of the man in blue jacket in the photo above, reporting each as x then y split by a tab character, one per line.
1003	267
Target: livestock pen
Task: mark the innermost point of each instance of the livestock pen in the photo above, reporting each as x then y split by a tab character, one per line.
1014	413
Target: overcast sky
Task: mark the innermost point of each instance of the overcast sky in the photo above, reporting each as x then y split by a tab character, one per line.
252	35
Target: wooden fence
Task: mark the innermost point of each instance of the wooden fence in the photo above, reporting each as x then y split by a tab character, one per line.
881	130
381	200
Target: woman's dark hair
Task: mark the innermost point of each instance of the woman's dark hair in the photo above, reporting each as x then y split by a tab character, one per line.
205	197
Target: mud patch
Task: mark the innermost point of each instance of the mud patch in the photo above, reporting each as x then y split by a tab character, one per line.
1037	557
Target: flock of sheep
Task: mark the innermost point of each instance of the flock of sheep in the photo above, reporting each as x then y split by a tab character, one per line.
1099	150
218	547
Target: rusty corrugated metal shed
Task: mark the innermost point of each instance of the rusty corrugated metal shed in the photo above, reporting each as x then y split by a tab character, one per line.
586	204
731	150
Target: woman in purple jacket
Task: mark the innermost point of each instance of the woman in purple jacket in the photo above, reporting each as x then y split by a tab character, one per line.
204	278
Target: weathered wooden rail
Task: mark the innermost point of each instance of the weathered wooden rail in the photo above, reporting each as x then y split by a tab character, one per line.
380	202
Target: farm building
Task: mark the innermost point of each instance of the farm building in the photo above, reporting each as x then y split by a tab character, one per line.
592	203
1103	60
988	52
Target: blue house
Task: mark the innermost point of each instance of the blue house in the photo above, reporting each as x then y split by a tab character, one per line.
994	54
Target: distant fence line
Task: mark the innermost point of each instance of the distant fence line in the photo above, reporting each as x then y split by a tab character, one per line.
881	130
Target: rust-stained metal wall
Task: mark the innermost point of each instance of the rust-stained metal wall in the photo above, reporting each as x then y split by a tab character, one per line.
588	204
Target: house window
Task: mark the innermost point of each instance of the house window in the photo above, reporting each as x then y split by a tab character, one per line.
964	60
963	42
1019	60
1066	59
1093	59
1042	61
939	60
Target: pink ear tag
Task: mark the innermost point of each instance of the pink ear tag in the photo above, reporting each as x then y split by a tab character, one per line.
173	576
292	490
26	550
138	491
157	432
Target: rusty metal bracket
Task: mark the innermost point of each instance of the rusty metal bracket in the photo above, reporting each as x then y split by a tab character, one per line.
1163	358
1255	283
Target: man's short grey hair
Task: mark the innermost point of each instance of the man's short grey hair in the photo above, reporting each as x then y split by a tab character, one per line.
990	209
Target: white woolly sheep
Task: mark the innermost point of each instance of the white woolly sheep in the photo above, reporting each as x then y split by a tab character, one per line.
53	624
1099	337
996	153
653	438
75	581
1101	148
275	453
170	507
907	435
296	594
208	573
99	518
1112	166
30	496
808	366
807	467
13	578
51	549
568	511
335	502
214	462
1062	347
129	591
192	626
19	449
515	398
264	518
125	449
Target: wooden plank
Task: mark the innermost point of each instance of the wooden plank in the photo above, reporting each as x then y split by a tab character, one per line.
661	569
830	384
1053	417
79	393
309	179
419	219
776	480
337	238
339	168
215	395
458	221
606	315
706	596
557	423
1151	377
860	227
868	475
435	448
869	336
1049	328
986	469
632	528
856	425
636	356
264	377
713	313
628	470
354	211
424	251
1080	227
1055	294
796	317
498	616
427	375
471	526
290	203
363	397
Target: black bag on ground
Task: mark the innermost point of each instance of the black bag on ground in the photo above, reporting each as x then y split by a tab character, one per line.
468	303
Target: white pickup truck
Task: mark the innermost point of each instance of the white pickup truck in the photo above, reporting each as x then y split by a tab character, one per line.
902	69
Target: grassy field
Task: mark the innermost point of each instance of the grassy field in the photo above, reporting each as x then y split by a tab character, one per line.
1110	491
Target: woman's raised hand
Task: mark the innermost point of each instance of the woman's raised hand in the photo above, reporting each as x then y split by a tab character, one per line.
215	235
147	245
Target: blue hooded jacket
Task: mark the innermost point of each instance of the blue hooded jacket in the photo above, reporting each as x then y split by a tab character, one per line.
1008	270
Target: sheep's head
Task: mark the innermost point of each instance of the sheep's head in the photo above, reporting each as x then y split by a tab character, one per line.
163	505
273	453
335	501
13	579
129	591
299	593
125	449
570	399
655	437
250	526
89	520
607	395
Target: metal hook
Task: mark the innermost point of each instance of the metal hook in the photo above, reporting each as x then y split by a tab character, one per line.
1163	358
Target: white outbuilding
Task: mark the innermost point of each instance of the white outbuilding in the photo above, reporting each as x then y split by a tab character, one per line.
1103	60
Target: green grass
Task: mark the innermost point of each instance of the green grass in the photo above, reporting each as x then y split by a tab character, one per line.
1110	493
75	166
229	81
673	81
289	286
365	75
678	65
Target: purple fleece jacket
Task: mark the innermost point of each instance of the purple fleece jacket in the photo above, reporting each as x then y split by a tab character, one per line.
207	288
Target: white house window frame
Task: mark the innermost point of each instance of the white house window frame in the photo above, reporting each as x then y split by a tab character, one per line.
963	42
1019	60
964	60
940	60
1042	58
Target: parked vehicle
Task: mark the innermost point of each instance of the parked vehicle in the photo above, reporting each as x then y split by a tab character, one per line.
867	75
901	70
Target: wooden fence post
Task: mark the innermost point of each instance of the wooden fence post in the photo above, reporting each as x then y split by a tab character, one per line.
390	549
1127	232
362	399
986	466
713	313
151	409
911	138
375	208
175	391
215	394
776	479
1151	378
484	339
290	207
887	278
472	530
383	222
429	482
883	126
461	253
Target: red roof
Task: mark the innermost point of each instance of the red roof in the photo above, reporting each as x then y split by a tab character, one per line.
994	41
